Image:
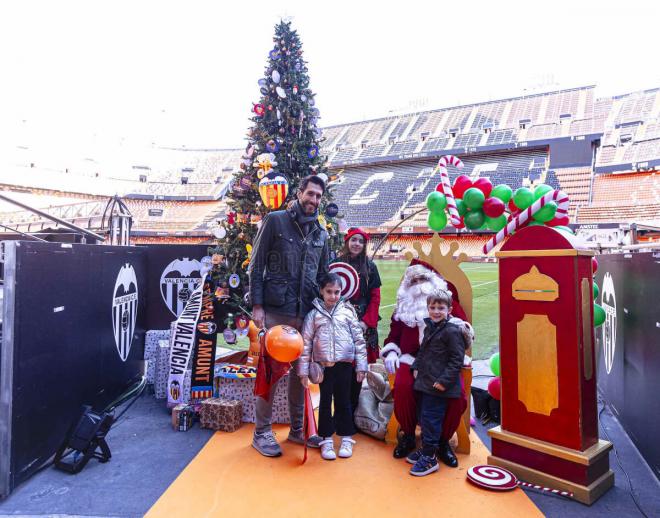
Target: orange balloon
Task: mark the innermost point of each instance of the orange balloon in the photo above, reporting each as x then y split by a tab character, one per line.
284	343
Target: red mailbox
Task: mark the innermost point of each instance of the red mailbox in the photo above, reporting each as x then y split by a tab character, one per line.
549	431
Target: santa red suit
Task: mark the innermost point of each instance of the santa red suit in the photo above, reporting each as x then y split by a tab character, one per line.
403	342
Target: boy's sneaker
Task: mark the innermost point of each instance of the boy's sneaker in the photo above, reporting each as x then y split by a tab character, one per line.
328	449
296	436
346	448
266	444
424	466
414	456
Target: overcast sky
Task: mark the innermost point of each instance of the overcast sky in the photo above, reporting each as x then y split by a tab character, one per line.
79	76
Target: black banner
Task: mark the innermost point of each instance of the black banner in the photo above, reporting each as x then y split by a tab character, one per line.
174	273
627	346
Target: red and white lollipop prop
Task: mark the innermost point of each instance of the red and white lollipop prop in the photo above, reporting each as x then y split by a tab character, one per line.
521	218
349	278
500	479
454	216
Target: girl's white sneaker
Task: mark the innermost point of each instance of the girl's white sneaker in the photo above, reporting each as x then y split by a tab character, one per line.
328	449
346	448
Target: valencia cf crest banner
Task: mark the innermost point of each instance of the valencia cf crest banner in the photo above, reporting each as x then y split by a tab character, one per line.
182	343
205	335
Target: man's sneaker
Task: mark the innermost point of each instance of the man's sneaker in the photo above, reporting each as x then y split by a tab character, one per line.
266	444
328	449
296	436
414	456
346	448
424	466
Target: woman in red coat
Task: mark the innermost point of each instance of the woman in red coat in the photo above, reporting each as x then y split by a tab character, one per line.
367	300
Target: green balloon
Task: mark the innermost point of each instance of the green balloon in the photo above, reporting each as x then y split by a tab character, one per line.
523	198
474	219
599	315
502	191
535	224
497	223
546	213
474	198
495	364
461	207
541	190
436	201
596	290
437	220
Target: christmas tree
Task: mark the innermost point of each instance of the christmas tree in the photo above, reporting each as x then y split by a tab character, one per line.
283	147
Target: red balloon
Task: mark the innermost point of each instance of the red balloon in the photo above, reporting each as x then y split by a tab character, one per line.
462	184
553	222
495	388
484	185
594	264
493	207
512	207
439	188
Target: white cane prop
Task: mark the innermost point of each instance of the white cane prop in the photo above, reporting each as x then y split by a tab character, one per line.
454	216
559	197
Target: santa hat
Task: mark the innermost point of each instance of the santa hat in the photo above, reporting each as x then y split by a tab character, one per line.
356	231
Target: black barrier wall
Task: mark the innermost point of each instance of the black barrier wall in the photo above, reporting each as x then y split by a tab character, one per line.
628	346
73	334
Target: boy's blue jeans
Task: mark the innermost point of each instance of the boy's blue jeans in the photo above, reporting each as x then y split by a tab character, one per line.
431	414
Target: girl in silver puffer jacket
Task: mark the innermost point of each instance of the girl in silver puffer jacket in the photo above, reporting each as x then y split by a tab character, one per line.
333	341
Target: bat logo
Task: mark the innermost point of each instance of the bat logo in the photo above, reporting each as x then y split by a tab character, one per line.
609	327
124	309
177	282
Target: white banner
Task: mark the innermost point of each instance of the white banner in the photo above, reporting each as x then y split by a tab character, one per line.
182	343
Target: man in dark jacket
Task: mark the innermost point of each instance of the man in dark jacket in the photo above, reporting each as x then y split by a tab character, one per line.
290	254
436	370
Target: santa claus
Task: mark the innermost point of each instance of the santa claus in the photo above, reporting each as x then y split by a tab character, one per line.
401	347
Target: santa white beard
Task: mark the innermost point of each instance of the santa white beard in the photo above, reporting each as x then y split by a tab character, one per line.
411	308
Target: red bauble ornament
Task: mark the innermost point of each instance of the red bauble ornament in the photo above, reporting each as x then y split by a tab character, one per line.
258	109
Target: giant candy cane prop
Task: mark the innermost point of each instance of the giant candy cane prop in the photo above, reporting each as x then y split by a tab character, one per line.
455	217
562	210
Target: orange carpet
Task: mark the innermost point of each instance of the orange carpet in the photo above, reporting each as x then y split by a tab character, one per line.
229	478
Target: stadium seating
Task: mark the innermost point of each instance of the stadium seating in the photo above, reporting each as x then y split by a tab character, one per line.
360	192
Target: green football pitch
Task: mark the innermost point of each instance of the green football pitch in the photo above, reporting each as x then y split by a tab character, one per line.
483	277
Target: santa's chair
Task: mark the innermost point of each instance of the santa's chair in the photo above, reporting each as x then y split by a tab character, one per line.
448	267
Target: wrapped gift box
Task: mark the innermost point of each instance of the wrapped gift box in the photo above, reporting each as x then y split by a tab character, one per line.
243	390
221	414
151	341
182	417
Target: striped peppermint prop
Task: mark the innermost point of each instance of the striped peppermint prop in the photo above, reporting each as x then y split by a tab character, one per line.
566	494
559	197
454	216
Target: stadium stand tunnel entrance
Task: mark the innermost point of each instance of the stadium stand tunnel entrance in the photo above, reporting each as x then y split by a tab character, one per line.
74	320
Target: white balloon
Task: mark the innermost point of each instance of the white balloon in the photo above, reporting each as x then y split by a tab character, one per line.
280	91
276	76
